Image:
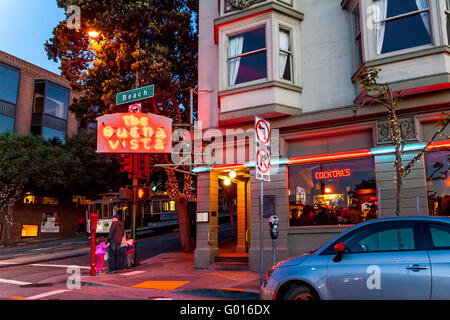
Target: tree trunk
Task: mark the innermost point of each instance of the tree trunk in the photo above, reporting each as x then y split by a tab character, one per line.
8	225
184	224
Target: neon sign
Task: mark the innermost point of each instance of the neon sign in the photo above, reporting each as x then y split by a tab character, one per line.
331	174
134	133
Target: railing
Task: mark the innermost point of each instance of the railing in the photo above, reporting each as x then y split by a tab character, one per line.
209	234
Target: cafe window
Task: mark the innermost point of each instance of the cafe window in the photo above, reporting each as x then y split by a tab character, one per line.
437	165
401	24
332	193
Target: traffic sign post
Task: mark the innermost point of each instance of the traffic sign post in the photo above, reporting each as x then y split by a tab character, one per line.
262	173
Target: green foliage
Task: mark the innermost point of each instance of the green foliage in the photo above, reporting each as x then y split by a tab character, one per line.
29	162
91	173
167	53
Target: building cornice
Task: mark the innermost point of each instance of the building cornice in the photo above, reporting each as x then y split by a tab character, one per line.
28	67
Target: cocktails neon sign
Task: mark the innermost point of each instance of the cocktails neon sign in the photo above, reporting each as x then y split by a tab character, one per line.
330	174
134	133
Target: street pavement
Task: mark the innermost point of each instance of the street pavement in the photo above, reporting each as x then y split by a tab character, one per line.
163	273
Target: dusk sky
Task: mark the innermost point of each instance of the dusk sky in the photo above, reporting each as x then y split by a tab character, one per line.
25	25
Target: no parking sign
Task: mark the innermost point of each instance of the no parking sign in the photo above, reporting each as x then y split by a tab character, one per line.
262	157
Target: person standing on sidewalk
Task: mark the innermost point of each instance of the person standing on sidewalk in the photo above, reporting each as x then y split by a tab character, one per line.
130	251
100	251
123	253
115	239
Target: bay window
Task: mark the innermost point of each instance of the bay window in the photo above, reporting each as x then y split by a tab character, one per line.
401	24
285	55
247	56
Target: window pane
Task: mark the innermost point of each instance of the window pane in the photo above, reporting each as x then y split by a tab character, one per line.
448	28
333	193
407	33
252	40
396	7
285	57
440	235
437	165
56	101
9	84
382	237
250	68
6	124
48	133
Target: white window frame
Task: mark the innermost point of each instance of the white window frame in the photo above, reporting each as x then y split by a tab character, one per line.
246	54
357	37
240	27
290	53
370	40
447	20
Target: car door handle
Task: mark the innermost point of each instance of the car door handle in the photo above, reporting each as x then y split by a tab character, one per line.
416	267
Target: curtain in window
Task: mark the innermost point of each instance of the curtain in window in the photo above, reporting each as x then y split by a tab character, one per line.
423	4
380	15
284	45
235	47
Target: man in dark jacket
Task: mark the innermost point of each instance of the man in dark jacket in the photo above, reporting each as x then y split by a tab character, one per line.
115	238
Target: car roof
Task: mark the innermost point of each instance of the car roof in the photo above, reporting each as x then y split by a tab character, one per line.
444	219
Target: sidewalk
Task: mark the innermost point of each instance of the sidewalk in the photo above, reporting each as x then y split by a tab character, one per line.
173	275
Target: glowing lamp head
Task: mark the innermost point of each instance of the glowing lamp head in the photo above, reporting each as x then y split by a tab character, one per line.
232	174
227	182
141	193
93	34
328	190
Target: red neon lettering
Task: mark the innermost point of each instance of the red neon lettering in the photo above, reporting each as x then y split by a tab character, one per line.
330	174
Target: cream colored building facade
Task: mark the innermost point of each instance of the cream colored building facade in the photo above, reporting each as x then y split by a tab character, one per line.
294	63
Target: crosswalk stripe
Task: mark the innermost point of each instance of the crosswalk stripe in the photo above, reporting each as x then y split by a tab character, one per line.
19	283
132	273
46	294
58	266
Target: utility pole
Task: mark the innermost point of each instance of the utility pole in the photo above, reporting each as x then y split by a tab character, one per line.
136	163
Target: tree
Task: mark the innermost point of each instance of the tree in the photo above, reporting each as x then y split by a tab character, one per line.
27	162
91	173
143	42
376	94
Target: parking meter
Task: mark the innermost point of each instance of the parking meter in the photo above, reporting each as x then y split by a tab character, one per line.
273	223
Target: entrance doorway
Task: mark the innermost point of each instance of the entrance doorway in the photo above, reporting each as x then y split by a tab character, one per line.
234	212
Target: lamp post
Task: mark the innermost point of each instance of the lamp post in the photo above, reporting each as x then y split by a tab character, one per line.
94	34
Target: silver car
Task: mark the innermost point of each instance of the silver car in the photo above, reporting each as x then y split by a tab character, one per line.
396	258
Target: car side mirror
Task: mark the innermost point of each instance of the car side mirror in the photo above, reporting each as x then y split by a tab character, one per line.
339	248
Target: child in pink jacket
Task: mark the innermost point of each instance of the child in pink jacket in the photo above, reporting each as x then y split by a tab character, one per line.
100	253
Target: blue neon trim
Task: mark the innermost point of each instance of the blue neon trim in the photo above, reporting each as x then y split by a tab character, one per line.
391	149
201	169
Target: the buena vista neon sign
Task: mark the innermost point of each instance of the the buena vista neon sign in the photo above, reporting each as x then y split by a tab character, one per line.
134	133
330	174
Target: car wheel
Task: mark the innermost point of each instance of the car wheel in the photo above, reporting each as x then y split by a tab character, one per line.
299	293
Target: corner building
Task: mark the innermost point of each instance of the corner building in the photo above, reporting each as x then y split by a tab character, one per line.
294	62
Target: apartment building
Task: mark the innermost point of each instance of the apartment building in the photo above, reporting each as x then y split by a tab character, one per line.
294	63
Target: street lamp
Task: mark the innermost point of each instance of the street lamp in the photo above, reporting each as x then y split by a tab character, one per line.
93	34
